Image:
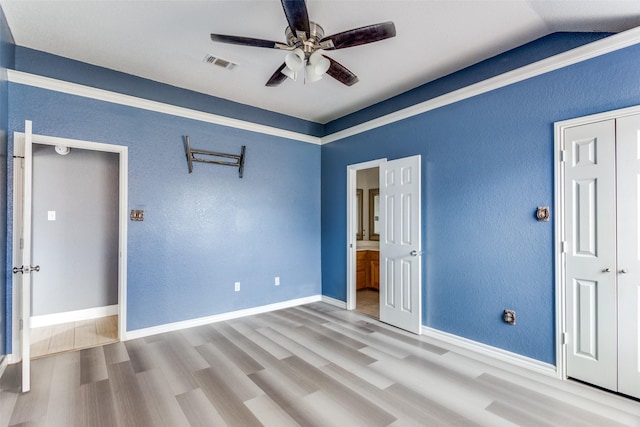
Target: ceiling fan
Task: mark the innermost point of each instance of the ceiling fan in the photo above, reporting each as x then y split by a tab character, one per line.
305	43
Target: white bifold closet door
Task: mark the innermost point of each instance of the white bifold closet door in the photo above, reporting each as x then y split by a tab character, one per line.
602	252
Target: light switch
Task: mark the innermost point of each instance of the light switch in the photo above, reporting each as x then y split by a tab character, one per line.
51	215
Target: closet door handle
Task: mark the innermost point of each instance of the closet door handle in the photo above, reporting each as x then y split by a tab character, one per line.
623	271
606	270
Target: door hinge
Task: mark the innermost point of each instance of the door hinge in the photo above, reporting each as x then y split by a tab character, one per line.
564	338
563	247
20	326
21	243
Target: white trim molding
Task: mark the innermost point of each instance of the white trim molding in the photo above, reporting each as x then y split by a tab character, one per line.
334	302
169	327
72	316
488	354
48	83
561	60
556	62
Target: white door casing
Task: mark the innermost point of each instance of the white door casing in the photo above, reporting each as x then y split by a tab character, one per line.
628	268
352	210
25	312
23	144
591	253
400	245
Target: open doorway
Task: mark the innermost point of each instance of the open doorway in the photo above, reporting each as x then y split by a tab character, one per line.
74	301
363	265
77	235
368	242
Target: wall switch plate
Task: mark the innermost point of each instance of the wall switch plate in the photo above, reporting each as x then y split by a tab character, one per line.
51	215
237	286
277	281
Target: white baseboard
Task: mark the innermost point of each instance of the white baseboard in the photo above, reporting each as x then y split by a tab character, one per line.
488	354
73	316
334	302
168	327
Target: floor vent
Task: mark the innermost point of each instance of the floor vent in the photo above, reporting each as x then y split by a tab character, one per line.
224	63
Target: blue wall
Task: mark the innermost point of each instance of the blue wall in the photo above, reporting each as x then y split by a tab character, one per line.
487	164
202	231
57	67
7	50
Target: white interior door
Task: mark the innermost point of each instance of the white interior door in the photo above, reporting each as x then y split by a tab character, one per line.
400	246
628	269
590	200
602	267
26	259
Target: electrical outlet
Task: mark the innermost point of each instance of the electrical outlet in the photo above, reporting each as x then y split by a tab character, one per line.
277	281
237	287
509	316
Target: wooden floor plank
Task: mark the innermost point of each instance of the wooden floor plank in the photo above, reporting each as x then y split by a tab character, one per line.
314	365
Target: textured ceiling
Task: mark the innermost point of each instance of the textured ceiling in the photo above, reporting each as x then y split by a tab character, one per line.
167	41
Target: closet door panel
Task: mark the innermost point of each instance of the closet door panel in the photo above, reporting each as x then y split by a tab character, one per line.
628	212
590	236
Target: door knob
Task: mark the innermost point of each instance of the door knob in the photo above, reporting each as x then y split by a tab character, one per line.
36	268
606	270
623	271
18	269
415	253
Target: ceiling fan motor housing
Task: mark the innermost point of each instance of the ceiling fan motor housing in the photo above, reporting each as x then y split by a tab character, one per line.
308	44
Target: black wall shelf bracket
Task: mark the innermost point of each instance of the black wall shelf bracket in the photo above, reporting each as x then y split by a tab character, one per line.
215	157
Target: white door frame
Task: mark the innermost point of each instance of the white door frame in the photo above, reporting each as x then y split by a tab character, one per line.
559	232
352	210
122	151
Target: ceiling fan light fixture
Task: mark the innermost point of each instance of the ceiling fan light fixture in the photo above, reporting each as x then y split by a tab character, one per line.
295	60
290	73
312	74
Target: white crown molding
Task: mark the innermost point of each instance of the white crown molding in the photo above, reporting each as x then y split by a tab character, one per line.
48	83
561	60
169	327
565	59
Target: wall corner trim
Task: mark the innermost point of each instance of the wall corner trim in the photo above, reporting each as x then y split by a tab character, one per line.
69	88
556	62
491	355
334	302
169	327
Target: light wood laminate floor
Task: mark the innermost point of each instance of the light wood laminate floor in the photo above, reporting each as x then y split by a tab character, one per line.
368	302
54	339
313	365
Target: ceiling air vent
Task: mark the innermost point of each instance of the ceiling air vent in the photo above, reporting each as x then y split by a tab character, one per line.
224	63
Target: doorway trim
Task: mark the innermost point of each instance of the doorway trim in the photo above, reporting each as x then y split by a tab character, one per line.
352	173
559	226
122	151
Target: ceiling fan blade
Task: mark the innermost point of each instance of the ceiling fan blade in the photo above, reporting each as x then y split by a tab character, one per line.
297	16
363	35
244	41
341	73
277	77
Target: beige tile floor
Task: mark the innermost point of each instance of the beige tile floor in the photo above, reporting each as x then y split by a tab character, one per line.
368	302
71	336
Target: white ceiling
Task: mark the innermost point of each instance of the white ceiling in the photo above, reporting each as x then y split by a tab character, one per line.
167	41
